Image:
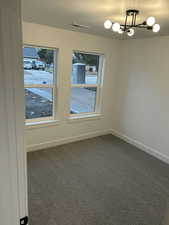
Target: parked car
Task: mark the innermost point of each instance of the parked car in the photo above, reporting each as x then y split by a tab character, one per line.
40	65
34	65
27	65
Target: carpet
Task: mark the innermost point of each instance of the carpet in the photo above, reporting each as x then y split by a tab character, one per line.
99	181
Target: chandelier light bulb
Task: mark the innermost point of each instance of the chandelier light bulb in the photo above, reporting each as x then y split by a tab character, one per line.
107	24
116	27
150	21
120	31
130	32
156	28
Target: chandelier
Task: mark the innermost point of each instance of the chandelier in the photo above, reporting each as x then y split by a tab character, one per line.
130	24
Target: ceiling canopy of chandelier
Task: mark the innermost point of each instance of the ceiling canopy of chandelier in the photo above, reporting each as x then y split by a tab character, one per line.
130	24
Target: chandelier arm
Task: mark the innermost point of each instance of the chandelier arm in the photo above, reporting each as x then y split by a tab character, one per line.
132	23
125	25
135	19
142	26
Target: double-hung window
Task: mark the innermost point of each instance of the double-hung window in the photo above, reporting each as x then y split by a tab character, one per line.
86	83
40	83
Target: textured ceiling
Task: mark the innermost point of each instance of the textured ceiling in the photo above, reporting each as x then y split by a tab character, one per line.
93	13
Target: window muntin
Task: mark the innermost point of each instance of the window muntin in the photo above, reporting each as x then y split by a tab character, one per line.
86	79
39	83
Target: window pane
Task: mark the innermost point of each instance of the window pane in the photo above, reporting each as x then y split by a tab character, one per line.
39	102
38	65
85	68
83	100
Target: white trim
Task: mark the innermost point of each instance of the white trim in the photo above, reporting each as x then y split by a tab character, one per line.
141	146
13	203
53	86
40	124
98	103
39	46
38	120
84	85
62	141
84	116
39	86
88	52
98	85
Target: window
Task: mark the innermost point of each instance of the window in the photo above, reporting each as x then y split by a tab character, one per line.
40	83
86	80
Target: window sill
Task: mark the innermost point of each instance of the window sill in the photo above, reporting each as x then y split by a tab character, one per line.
71	119
41	124
83	117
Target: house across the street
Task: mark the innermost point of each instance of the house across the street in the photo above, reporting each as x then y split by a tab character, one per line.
30	53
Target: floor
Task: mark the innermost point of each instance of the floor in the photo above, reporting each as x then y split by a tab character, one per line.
99	181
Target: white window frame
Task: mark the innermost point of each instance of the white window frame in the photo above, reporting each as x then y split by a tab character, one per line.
53	86
98	87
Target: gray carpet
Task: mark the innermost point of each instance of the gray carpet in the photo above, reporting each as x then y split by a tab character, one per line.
99	181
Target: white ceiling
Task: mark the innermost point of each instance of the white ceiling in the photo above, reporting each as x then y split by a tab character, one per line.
93	13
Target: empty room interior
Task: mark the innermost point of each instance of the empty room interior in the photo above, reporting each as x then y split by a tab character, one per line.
84	105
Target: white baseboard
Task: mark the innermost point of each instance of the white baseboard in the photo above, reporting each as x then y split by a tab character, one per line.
142	146
127	139
62	141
